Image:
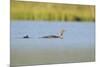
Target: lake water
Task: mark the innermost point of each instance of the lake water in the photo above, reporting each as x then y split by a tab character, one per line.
78	44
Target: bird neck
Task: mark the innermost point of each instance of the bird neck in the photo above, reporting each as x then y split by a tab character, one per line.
61	35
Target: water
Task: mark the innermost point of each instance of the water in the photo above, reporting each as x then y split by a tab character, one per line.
78	44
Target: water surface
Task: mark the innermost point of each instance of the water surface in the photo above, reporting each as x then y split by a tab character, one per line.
77	45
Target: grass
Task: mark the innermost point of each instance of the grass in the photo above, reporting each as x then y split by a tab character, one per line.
51	11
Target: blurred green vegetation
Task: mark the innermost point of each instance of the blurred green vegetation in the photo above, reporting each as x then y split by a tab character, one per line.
51	11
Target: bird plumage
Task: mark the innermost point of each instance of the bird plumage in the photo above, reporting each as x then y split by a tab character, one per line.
55	36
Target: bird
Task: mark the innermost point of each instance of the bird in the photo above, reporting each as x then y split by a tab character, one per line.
26	36
55	36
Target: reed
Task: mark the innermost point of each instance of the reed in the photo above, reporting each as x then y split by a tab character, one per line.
51	12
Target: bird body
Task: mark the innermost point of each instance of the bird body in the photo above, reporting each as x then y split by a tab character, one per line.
55	36
51	36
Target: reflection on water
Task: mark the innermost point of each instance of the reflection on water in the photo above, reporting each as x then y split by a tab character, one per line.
77	45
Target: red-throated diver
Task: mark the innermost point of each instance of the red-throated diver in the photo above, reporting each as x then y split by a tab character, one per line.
55	36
